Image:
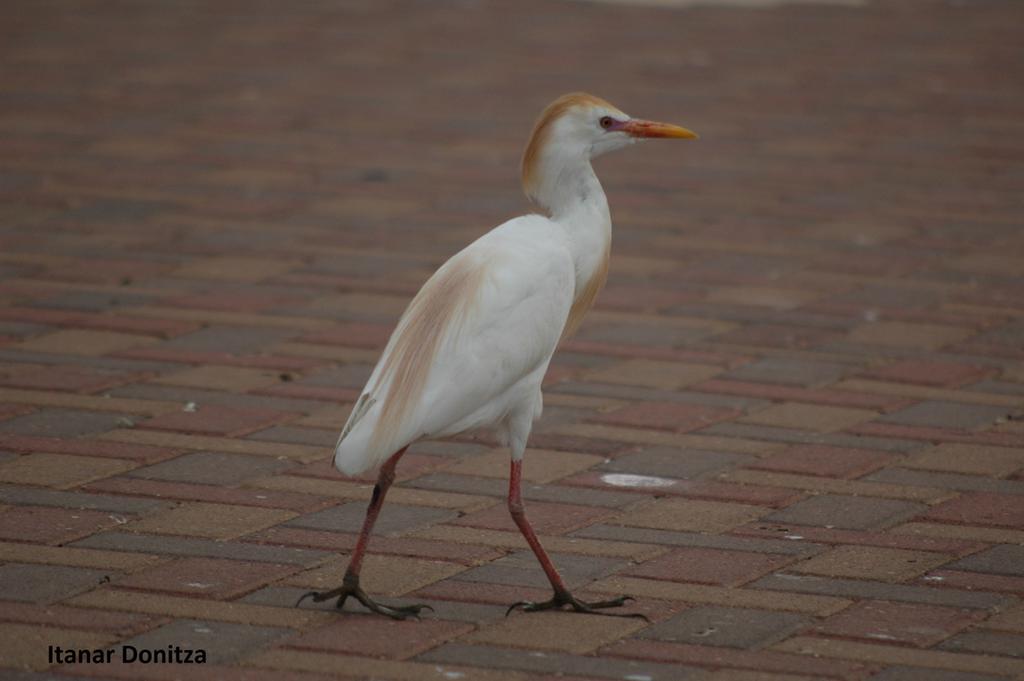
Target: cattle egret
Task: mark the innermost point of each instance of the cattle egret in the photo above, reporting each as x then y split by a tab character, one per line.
472	348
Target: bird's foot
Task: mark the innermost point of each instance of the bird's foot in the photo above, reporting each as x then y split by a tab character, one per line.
563	598
350	587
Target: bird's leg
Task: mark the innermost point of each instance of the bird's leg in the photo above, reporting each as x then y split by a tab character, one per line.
350	582
562	596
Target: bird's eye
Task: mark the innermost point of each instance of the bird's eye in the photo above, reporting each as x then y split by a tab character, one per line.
606	122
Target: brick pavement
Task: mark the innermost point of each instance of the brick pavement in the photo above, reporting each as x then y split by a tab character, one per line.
811	343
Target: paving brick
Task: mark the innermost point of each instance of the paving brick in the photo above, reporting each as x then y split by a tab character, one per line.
194	546
788	371
379	637
668	416
394	518
1002	560
74	556
950	481
847	512
902	673
216	521
84	342
907	335
59	470
969	459
690	515
384	575
909	623
547	631
672	462
992	643
730	660
871	562
223	641
538	466
64	423
212	468
826	535
947	415
925	372
858	588
809	417
732	627
205	577
64	378
47	583
709	566
214	419
697	539
823	460
522	568
653	373
84	619
590	666
898	655
958	579
26	646
546	518
51	525
237	379
28	445
1002	510
197	608
32	496
214	494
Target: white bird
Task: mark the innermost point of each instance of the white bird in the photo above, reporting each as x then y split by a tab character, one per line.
472	348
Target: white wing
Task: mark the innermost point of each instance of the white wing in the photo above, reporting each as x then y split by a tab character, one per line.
472	347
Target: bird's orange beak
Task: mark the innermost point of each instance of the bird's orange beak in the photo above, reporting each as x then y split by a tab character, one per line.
637	127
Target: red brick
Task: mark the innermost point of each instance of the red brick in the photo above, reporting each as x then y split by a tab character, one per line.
64	379
411	466
757	495
974	581
233	301
825	535
481	592
160	489
215	419
373	636
222	358
651	352
65	617
311	392
354	335
780	336
709	566
668	416
906	623
45	525
895	430
728	658
822	460
465	554
546	518
777	392
923	372
1002	510
206	577
27	444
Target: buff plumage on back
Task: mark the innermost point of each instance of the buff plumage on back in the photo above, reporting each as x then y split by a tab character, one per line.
542	132
436	310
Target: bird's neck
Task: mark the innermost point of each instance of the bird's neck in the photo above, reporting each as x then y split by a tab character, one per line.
577	203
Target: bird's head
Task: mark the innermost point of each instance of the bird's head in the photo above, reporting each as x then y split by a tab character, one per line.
578	127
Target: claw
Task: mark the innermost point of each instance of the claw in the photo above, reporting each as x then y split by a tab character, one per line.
351	588
566	598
